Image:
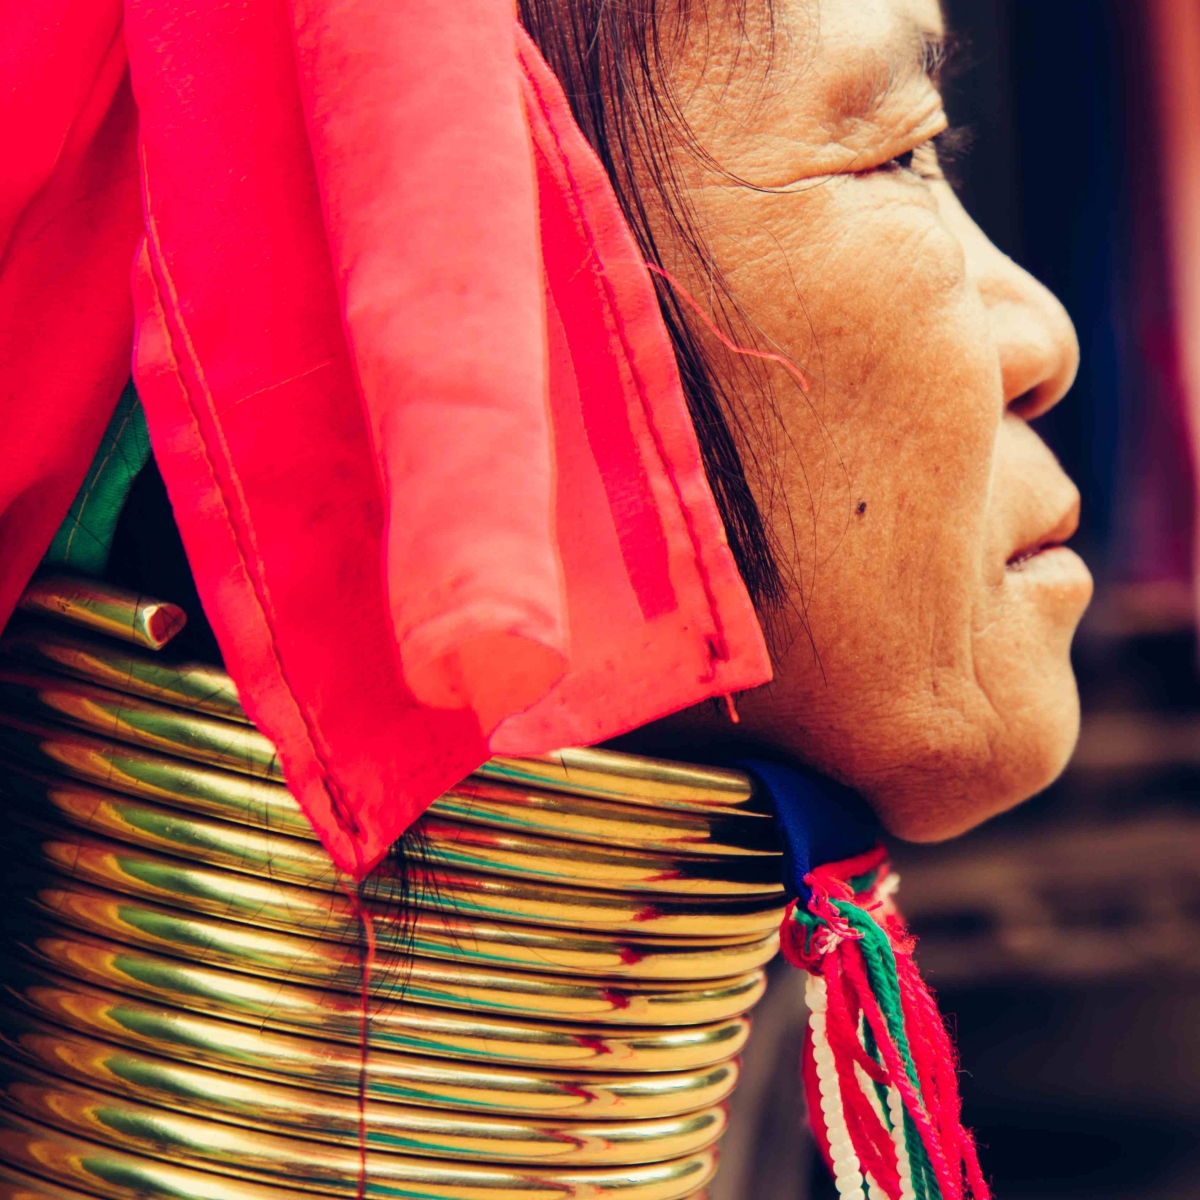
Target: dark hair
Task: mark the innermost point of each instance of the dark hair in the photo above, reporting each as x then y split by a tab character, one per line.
608	56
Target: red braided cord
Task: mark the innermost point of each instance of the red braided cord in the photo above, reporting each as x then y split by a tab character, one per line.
935	1041
929	1048
948	1181
936	1110
848	1033
931	1074
871	1140
794	941
845	869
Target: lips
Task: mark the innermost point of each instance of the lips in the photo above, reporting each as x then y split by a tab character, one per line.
1054	538
1021	557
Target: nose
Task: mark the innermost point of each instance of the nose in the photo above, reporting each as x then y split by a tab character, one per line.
1038	348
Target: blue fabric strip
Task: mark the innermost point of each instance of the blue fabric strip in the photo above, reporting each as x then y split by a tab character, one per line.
820	821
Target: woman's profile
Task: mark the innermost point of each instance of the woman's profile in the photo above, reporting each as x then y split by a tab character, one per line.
502	516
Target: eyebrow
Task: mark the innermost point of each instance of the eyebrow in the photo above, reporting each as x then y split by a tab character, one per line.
925	52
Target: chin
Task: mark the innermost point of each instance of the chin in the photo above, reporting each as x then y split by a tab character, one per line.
959	787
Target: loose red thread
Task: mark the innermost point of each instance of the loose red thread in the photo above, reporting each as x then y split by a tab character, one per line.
731	708
367	969
785	362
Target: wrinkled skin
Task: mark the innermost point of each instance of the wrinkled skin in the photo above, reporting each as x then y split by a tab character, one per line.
924	658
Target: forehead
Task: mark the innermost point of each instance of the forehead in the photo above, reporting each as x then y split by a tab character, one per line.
862	50
878	23
777	90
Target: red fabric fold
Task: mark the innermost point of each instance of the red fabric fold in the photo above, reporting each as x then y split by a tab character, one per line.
69	222
422	156
414	404
258	428
658	613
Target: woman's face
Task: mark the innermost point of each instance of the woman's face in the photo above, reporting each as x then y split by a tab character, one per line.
925	661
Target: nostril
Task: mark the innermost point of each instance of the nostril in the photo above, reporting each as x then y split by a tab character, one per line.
1028	405
1039	352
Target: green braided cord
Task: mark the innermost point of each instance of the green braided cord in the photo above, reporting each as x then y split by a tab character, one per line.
864	882
84	540
924	1183
880	964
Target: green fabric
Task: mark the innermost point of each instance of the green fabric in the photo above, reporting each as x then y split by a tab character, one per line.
84	540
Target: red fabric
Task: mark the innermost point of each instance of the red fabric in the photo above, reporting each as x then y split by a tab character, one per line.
412	399
65	315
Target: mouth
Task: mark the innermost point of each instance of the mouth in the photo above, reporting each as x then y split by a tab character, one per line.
1018	560
1053	539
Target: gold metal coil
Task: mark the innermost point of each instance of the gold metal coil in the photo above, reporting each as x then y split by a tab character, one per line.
119	767
102	1170
102	608
140	722
446	845
601	774
580	819
334	963
631	779
241	748
603	1077
563	959
114	1068
133	871
16	1185
328	1013
209	791
195	686
54	1063
461	846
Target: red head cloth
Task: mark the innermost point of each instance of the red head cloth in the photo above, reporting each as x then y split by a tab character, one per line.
408	387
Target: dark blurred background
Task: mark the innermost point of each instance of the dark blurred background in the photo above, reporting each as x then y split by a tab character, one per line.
1064	938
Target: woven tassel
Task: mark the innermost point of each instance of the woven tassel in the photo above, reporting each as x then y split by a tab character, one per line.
879	1068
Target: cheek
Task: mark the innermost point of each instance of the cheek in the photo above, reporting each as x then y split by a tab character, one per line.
881	475
861	284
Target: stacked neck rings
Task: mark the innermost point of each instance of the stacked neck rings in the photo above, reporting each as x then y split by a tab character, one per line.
553	1006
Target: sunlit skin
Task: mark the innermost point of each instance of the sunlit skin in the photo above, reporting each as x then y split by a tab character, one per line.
925	655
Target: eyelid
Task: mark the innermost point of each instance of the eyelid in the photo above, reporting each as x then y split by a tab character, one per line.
928	131
930	171
901	143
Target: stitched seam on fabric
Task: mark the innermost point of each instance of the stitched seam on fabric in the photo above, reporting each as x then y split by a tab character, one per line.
87	495
639	383
259	590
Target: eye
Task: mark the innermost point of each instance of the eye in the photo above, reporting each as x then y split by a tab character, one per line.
921	160
931	158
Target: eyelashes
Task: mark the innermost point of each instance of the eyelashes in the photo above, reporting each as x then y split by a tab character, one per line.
952	146
938	158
